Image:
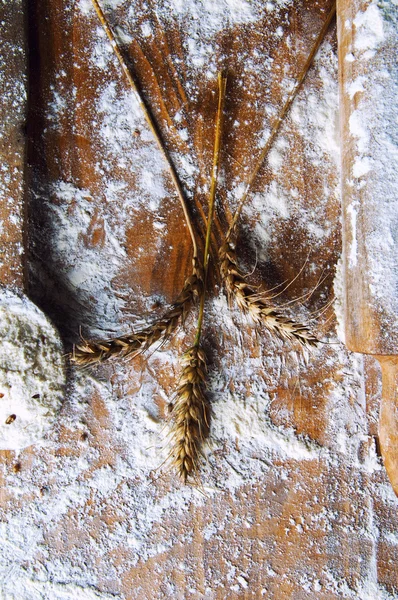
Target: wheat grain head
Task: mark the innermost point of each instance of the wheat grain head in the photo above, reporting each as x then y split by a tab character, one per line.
190	414
87	353
256	304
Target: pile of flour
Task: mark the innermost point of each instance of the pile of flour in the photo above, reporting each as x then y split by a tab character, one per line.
32	373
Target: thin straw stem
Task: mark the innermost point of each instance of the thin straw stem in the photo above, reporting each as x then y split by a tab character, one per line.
281	116
151	123
222	83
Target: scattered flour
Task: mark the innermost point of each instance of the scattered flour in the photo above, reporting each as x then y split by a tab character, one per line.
12	119
372	178
94	511
338	304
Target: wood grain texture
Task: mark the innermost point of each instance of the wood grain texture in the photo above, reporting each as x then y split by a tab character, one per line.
298	506
369	200
12	142
368	66
388	426
159	63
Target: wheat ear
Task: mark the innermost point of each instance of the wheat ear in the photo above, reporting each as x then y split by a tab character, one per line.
87	353
90	352
256	304
247	297
190	412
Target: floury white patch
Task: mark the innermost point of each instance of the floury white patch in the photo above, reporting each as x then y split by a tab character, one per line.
32	373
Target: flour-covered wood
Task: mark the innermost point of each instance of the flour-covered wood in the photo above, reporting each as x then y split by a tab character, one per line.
368	51
13	82
294	502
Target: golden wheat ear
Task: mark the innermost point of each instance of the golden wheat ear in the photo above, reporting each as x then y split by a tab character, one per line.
88	353
190	411
190	414
257	305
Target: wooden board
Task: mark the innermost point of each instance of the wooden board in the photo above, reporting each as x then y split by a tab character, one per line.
12	145
368	45
295	502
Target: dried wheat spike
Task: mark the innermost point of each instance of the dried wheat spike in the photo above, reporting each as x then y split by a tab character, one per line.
190	414
256	304
90	352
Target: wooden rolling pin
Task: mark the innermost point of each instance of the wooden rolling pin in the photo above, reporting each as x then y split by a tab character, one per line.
368	66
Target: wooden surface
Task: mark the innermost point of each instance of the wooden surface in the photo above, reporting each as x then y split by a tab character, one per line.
388	425
295	502
369	176
12	145
369	203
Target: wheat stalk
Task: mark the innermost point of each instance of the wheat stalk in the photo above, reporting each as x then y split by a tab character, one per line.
190	412
257	305
281	116
150	121
87	353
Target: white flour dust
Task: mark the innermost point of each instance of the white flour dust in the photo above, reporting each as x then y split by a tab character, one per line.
93	515
373	175
32	373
